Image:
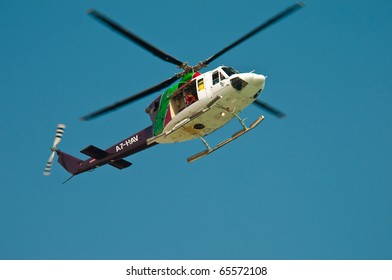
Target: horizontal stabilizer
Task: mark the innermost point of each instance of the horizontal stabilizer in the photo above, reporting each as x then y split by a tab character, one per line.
97	153
94	152
120	164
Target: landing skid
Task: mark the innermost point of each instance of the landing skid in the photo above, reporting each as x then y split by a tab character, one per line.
209	150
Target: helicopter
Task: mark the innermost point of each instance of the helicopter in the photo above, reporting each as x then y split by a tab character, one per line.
193	105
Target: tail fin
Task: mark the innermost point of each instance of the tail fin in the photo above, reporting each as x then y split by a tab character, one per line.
70	163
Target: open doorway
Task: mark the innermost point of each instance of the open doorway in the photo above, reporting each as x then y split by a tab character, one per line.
183	97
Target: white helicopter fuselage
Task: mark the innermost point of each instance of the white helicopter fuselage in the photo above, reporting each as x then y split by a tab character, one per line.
222	94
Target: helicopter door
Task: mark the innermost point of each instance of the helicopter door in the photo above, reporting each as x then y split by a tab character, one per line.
201	88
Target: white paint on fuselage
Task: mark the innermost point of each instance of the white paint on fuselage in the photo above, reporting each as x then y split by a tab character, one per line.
231	102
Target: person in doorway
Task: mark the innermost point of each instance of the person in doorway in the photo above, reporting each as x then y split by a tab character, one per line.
189	98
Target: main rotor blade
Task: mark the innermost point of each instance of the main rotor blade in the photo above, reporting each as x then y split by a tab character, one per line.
269	109
139	41
261	27
130	99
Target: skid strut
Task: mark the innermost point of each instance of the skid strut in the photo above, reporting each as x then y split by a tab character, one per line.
239	133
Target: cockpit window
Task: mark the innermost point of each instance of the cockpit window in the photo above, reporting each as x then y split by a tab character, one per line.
229	71
215	77
218	76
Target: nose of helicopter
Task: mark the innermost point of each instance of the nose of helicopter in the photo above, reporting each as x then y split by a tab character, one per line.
257	80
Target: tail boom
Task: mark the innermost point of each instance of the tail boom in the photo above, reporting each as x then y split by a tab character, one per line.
112	156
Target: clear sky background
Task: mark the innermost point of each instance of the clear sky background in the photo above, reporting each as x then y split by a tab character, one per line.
315	185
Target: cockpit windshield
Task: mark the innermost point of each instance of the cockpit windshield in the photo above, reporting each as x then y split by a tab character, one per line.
229	71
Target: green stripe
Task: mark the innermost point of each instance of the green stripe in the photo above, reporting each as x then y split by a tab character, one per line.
159	121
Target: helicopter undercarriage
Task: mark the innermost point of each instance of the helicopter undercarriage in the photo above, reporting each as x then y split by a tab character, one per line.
236	135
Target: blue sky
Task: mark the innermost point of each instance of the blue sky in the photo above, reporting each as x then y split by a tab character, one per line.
315	185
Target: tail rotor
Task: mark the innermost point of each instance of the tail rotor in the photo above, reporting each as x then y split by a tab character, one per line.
57	139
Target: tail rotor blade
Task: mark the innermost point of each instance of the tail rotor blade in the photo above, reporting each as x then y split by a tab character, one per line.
57	139
59	134
49	164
